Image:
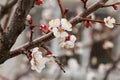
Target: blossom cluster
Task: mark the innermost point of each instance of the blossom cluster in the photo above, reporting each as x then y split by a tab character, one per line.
60	29
37	61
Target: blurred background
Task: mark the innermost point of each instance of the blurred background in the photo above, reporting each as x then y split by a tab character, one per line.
93	57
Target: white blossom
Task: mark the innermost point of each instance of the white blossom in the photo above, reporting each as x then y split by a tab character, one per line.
109	22
59	33
69	43
54	23
66	25
28	18
108	44
38	61
59	28
63	23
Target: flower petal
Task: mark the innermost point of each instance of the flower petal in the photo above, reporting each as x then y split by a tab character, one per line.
64	34
72	38
66	25
54	23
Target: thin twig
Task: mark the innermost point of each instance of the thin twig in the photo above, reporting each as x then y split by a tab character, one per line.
60	65
113	67
109	5
85	13
31	36
61	8
99	21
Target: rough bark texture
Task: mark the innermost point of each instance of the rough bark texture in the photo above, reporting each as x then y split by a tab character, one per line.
17	25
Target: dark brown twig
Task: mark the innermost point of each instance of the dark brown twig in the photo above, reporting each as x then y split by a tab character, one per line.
61	8
109	5
99	21
60	65
84	2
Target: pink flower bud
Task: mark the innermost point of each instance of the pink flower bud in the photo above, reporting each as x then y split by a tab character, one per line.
115	7
66	10
44	28
39	2
29	19
87	24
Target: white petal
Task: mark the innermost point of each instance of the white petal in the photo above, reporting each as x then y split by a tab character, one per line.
28	17
35	50
109	22
64	34
62	44
72	38
56	32
54	23
113	20
66	25
39	65
67	44
40	68
61	39
70	44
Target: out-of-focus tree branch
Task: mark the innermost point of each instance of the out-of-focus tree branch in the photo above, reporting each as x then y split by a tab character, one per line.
3	78
113	67
5	9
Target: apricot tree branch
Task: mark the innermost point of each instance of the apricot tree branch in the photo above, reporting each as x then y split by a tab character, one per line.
38	42
5	9
85	13
50	36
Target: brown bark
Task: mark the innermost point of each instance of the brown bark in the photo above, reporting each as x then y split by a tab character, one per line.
17	25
